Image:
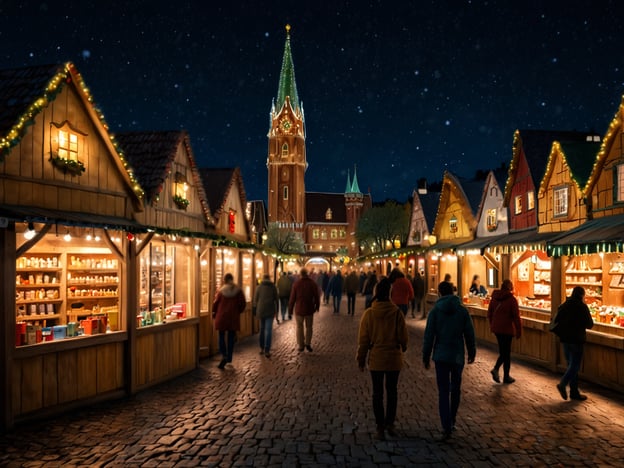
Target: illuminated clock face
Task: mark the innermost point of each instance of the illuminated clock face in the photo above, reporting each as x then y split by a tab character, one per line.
285	124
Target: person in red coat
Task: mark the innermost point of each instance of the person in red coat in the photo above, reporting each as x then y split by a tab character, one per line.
305	300
228	305
504	317
402	291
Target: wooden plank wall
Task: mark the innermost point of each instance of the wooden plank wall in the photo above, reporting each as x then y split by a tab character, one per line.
164	352
48	380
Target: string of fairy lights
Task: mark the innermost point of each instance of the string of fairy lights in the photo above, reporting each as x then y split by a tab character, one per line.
68	73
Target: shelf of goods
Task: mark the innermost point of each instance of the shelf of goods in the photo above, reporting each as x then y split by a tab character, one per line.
92	288
38	288
54	301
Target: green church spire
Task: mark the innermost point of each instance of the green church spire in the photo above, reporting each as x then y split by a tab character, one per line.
348	188
287	83
355	188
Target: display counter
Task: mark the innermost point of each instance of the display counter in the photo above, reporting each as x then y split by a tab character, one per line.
603	350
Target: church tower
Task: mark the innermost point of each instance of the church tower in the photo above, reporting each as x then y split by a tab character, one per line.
286	161
354	202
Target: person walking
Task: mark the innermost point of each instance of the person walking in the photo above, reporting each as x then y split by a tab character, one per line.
449	329
324	283
284	286
305	300
369	288
572	319
351	286
382	340
402	292
265	307
229	303
504	318
418	284
334	289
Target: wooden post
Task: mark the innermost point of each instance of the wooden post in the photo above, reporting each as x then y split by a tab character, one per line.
130	304
7	292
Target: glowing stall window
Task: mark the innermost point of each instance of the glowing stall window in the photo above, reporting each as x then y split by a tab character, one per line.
328	214
343	234
180	190
68	145
232	221
518	204
285	192
334	233
453	224
315	234
560	201
491	220
284	150
530	200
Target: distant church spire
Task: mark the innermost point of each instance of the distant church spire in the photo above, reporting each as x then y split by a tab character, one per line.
287	84
355	188
348	188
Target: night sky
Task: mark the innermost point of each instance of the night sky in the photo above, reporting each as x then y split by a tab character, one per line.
403	90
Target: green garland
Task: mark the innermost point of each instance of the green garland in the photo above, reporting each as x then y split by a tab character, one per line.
181	202
72	166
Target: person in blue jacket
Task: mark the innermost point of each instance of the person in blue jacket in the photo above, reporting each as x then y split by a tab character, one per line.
449	329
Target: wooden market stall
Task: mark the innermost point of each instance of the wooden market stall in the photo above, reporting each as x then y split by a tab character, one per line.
67	205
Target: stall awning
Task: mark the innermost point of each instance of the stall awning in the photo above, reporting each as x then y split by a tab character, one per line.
480	243
518	241
444	246
598	235
68	218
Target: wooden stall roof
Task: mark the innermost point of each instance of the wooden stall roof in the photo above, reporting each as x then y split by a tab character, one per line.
536	145
25	92
151	153
258	215
69	218
598	235
217	185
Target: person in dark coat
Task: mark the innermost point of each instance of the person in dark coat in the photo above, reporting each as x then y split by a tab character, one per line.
324	283
352	286
265	307
284	286
572	319
449	327
504	318
418	284
369	288
334	289
229	303
305	300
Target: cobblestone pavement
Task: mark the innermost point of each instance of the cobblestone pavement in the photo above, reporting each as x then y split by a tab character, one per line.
314	409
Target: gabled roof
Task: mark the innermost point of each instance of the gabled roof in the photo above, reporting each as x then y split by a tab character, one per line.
25	92
258	216
151	154
429	202
580	158
317	203
537	145
473	190
217	185
19	91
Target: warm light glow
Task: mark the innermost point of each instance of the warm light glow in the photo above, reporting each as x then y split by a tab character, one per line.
67	236
30	232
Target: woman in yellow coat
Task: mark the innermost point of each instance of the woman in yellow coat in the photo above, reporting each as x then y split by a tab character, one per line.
383	340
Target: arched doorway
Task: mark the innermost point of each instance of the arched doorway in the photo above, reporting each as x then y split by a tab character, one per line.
317	264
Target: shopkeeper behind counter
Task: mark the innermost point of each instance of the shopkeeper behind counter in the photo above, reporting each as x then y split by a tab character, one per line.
476	288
